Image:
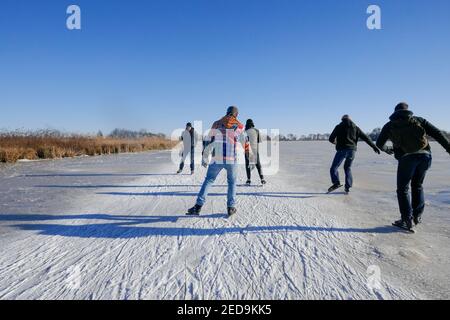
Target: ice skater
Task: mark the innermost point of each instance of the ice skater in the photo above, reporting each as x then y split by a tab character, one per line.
225	134
189	138
411	148
345	136
252	159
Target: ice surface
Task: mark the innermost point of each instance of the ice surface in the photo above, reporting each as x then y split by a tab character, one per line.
113	227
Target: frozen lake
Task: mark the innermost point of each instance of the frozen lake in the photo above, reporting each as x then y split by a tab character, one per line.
113	227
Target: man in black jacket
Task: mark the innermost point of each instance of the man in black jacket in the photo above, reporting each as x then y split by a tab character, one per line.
345	136
413	152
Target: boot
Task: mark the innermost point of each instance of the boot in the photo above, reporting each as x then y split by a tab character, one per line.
231	211
404	224
334	187
194	211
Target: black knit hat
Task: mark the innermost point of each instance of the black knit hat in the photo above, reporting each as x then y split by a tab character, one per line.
402	106
249	124
232	110
189	124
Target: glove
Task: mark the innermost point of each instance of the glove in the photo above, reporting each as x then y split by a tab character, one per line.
377	150
204	164
251	167
389	151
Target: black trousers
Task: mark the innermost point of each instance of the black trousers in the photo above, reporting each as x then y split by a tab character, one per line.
258	167
185	154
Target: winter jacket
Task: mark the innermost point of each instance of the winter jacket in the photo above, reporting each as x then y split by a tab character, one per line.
225	134
346	136
430	130
252	141
189	139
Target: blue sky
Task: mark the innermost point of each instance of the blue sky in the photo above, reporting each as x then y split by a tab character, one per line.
156	64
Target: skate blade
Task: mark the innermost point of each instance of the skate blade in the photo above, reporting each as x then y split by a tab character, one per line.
331	191
404	229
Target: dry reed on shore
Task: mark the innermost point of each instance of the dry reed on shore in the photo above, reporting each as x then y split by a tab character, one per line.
14	147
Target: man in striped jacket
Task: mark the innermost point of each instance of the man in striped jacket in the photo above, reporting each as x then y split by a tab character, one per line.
225	134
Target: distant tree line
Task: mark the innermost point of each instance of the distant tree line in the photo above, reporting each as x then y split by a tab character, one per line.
130	134
310	137
52	133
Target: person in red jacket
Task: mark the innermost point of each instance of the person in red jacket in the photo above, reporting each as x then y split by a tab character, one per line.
225	134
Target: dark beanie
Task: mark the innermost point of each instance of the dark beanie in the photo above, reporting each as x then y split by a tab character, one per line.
189	124
232	110
401	106
249	124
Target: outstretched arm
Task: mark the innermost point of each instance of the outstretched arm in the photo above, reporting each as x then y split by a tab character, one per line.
241	136
435	133
333	136
209	145
382	140
367	140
